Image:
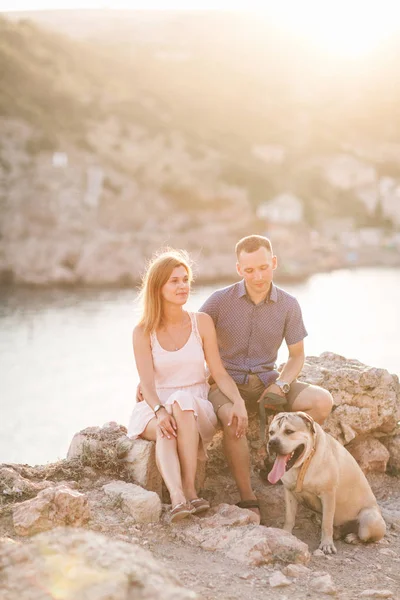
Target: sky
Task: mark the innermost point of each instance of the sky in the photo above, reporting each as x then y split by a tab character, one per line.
343	27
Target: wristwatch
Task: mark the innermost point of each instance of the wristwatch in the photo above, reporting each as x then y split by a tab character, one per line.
157	408
285	387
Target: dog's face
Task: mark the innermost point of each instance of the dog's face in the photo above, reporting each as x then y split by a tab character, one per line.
291	439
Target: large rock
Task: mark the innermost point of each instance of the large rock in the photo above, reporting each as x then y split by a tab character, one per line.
367	399
142	505
370	454
51	508
14	486
82	565
393	446
140	463
241	540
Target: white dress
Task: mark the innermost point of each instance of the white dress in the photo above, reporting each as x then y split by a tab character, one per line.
180	376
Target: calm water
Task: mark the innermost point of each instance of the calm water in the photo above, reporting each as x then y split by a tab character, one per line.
66	359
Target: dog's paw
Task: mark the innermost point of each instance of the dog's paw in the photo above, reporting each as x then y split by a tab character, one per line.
327	547
351	538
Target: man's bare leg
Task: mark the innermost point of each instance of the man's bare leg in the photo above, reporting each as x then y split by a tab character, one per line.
315	401
238	456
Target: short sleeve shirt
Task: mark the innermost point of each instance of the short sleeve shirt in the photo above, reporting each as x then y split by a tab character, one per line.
250	335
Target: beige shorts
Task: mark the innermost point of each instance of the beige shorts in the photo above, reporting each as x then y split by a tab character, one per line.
251	392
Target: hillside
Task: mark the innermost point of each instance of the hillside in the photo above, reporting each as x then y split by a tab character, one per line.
176	112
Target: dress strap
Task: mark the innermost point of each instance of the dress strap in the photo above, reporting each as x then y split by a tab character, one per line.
195	329
153	339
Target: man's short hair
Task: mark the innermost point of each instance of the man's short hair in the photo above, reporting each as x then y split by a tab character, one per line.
252	243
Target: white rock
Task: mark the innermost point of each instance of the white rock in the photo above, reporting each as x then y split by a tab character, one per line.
278	579
143	506
324	585
52	507
296	571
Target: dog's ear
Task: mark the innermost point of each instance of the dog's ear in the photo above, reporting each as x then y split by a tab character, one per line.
309	421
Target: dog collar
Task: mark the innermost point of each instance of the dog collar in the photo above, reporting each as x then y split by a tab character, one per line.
303	470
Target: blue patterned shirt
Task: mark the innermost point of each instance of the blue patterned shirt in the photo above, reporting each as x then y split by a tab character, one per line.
250	335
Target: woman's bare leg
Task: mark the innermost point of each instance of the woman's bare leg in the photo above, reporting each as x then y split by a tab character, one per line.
188	444
167	461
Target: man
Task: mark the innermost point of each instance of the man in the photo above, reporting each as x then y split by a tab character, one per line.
252	318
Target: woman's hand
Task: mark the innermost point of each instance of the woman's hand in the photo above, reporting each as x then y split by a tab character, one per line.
239	414
166	423
139	395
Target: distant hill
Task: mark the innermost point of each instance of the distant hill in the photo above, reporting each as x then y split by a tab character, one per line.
193	119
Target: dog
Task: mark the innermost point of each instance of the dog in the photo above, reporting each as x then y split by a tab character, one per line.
319	472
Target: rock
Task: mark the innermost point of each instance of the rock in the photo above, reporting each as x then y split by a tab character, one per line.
13	485
253	545
51	508
366	398
279	580
144	506
324	585
376	594
370	454
296	571
393	446
229	515
319	553
78	564
140	464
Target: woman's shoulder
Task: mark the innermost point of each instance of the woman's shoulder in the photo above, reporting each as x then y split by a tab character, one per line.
139	333
203	319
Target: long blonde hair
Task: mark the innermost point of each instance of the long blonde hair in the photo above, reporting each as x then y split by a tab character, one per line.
156	276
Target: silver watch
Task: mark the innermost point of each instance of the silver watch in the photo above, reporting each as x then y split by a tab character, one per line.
285	387
157	408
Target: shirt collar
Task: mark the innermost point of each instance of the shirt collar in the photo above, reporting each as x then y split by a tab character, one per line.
271	297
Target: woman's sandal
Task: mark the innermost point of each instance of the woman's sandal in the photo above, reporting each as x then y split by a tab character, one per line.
200	505
181	511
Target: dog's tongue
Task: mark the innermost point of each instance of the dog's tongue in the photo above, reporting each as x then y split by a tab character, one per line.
279	468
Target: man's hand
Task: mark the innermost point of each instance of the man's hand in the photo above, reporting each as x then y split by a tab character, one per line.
274	389
166	423
139	395
239	415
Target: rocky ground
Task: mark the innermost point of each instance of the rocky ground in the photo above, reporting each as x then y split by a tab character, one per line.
123	546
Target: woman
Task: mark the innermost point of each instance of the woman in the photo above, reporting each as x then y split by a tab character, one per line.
171	346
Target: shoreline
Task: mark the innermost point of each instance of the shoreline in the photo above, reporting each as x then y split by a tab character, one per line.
279	278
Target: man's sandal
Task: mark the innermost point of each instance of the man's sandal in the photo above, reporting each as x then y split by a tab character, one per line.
181	511
200	505
248	504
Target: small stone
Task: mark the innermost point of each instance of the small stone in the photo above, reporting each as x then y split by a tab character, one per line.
247	575
388	552
278	579
376	594
324	585
318	552
296	571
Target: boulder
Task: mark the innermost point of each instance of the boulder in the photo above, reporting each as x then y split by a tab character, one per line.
14	486
51	508
370	454
239	539
393	446
367	399
142	505
78	564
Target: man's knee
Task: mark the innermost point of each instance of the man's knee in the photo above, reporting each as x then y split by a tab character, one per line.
315	400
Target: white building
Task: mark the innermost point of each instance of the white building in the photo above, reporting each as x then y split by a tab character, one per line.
285	209
346	172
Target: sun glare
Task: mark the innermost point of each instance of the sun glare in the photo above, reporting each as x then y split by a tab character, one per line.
349	29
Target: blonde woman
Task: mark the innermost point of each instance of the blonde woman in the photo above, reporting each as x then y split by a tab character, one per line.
171	346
